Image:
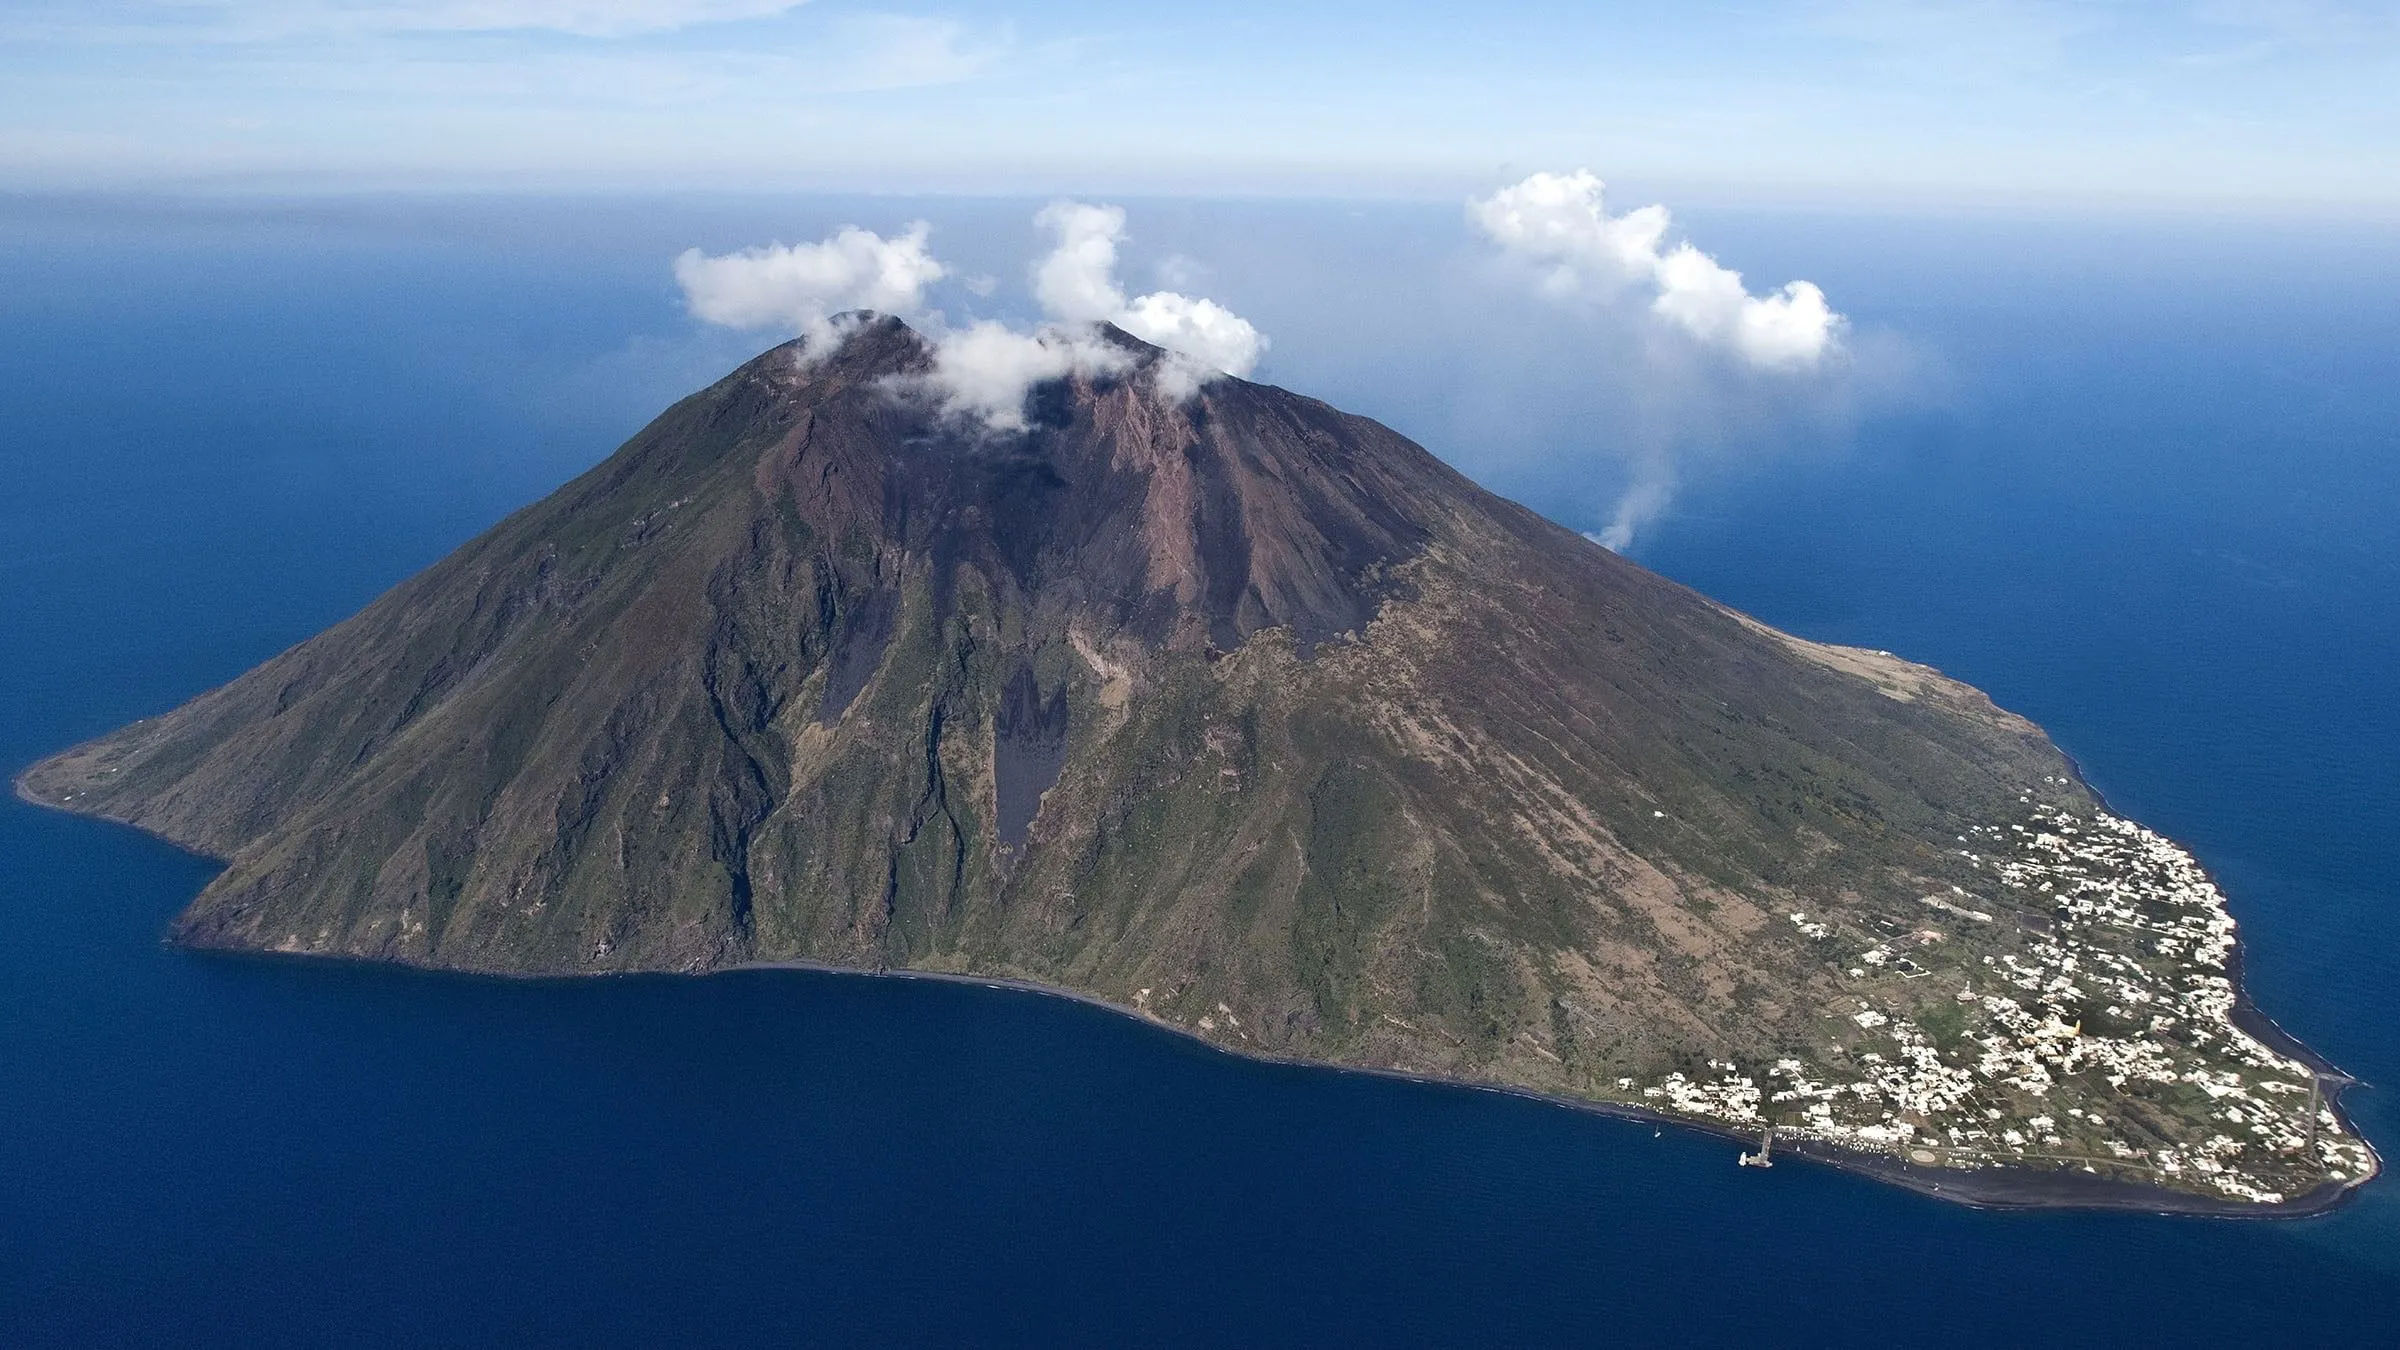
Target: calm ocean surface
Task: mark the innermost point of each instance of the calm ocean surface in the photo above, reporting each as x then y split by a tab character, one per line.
2140	480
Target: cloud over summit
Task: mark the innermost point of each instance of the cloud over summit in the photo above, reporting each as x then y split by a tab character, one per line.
1681	370
800	287
984	370
1077	283
987	369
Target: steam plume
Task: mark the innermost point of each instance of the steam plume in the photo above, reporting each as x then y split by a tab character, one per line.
1685	400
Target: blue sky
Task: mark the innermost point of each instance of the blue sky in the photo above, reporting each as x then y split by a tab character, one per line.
2282	104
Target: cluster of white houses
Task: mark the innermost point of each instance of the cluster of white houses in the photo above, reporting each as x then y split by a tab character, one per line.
2096	1033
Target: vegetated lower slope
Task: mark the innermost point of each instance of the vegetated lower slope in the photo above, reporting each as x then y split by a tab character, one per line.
1234	708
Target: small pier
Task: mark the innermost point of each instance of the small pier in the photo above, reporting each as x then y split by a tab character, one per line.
1765	1157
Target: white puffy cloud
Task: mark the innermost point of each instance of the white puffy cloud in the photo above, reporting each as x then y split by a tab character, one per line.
983	372
1560	223
1076	282
1789	329
800	287
1208	336
986	370
1558	220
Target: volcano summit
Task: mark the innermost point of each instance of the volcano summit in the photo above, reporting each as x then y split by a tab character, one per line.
1250	716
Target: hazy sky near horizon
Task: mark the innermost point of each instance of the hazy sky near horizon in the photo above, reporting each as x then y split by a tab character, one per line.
2282	104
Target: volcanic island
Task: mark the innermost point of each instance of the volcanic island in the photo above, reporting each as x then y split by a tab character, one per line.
1249	717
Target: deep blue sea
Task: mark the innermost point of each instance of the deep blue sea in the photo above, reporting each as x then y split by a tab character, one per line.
2138	477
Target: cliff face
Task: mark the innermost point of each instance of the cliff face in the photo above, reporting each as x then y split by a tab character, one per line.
1234	709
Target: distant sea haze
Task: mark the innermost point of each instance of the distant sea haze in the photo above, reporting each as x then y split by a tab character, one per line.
2132	478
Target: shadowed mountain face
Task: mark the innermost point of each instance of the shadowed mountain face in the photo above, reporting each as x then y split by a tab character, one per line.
1233	709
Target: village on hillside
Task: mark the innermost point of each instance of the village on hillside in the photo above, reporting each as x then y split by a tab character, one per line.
2080	1016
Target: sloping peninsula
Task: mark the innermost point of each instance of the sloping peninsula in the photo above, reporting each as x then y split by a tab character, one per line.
1211	702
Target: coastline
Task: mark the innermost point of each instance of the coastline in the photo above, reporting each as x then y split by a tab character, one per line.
1989	1188
1998	1188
